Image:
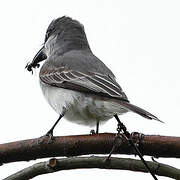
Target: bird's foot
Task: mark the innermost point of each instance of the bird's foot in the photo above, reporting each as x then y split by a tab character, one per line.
47	138
49	134
137	138
92	132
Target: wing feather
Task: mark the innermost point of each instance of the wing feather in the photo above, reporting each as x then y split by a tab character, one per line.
89	81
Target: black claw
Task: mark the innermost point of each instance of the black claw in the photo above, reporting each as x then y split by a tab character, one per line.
139	139
50	135
92	132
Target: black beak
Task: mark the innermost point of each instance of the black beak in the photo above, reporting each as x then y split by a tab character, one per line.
40	56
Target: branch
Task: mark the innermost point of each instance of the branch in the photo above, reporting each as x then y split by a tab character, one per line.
54	165
25	150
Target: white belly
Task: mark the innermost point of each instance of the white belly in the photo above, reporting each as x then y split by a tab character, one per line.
80	107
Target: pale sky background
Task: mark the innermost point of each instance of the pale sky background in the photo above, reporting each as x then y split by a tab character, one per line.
138	40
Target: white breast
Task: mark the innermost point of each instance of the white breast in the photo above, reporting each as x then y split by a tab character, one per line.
80	107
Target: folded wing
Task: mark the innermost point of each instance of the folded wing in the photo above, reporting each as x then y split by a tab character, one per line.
88	82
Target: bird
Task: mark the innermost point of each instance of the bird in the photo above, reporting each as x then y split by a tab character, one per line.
76	83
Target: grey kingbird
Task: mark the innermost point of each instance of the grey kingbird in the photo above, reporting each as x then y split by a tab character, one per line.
78	85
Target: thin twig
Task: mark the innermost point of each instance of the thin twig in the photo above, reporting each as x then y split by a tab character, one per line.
122	128
54	165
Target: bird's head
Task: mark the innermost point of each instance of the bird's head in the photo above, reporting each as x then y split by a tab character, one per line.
63	25
69	35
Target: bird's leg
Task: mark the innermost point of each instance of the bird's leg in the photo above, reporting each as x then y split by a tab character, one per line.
97	129
50	132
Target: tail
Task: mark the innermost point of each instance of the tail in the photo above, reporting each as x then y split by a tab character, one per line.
138	110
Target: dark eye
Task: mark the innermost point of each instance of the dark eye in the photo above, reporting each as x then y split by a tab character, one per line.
48	33
47	36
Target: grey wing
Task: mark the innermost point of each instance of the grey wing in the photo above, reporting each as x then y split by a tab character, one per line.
89	82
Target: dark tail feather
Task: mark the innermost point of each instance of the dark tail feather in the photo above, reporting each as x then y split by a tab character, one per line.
139	111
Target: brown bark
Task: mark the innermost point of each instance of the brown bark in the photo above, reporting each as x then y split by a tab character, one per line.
152	145
54	165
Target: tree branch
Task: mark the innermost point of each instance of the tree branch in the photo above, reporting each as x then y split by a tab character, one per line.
25	150
54	165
